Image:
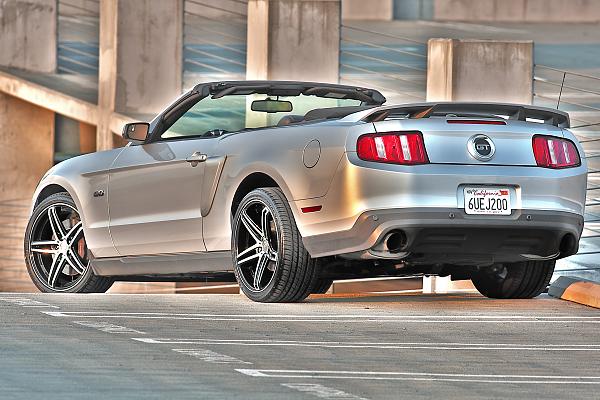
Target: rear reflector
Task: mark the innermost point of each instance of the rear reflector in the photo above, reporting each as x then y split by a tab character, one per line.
311	209
397	148
553	152
475	122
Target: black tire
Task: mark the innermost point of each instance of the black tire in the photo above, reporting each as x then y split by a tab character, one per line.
289	273
60	265
522	280
321	286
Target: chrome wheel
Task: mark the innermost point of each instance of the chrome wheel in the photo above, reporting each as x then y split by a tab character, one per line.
256	250
57	248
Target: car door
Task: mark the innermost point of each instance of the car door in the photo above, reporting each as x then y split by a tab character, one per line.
154	196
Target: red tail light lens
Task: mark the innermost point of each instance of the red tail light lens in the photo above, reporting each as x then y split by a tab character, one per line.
397	148
553	152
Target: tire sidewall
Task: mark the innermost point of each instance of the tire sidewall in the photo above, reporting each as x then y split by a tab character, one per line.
264	294
37	279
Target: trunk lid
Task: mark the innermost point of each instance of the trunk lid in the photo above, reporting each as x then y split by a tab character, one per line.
468	141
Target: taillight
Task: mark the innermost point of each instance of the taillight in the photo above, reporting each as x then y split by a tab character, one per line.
397	148
553	152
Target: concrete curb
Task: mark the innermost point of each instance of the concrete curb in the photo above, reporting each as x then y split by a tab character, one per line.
576	290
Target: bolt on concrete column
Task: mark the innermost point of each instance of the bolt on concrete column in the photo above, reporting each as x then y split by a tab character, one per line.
140	59
28	34
293	40
480	70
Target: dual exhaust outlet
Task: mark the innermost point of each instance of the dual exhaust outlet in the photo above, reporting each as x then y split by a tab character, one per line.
395	241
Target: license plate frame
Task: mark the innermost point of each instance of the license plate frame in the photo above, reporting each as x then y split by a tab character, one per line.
487	200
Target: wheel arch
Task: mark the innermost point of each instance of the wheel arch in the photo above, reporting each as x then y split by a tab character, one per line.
52	185
251	182
48	191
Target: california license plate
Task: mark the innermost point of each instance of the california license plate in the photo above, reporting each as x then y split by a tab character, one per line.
487	201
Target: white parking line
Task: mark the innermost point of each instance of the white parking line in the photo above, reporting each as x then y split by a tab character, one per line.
25	302
321	391
422	376
371	345
211	356
108	327
431	319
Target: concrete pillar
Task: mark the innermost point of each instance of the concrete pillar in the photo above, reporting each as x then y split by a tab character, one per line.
28	35
293	40
476	70
140	59
26	151
480	70
378	10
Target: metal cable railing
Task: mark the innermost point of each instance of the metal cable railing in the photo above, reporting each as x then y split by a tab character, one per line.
214	40
78	32
395	65
579	95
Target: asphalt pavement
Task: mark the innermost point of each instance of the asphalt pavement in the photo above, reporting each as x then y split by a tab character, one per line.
224	346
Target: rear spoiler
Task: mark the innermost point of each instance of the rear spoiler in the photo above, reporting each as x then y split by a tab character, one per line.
518	112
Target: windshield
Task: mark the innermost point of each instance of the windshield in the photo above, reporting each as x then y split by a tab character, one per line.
214	117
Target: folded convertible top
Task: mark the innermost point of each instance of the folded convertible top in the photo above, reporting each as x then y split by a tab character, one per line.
510	111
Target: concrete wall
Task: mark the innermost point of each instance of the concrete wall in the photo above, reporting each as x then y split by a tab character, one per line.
480	70
517	10
218	9
28	34
294	40
382	10
26	151
79	8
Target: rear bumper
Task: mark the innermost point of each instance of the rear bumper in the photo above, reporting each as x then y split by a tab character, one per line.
448	235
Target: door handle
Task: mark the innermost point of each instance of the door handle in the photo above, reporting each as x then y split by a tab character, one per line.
196	158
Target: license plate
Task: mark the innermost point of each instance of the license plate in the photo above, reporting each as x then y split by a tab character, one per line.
487	201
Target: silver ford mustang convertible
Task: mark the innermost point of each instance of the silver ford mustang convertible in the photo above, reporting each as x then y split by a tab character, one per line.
285	186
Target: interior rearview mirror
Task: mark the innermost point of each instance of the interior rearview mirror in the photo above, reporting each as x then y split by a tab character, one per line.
271	106
136	132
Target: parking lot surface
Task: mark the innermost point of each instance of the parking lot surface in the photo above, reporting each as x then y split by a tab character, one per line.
224	346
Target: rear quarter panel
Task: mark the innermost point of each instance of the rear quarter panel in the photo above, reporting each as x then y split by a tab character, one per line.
279	153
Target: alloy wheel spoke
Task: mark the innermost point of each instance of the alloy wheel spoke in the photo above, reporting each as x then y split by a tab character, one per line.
248	250
44	246
58	263
272	254
260	270
56	225
252	257
251	227
74	261
264	222
73	233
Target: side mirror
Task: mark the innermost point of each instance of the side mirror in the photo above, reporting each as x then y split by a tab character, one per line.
136	132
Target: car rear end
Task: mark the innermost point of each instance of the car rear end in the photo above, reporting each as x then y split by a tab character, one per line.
464	184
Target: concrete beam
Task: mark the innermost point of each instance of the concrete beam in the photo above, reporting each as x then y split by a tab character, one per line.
517	10
49	99
293	40
28	34
377	10
480	70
